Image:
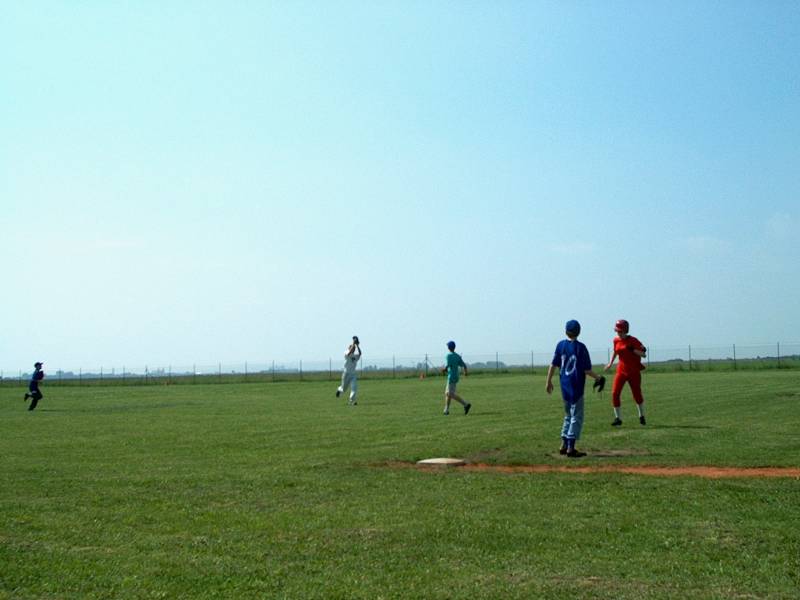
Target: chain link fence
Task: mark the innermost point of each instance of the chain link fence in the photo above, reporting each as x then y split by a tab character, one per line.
688	358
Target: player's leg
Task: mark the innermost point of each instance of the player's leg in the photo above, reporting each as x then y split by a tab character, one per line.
353	389
447	392
635	381
565	428
35	397
575	428
459	399
342	385
616	395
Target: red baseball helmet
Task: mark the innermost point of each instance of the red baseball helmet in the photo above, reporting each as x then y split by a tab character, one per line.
622	326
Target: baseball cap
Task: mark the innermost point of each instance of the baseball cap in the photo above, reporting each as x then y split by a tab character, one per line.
38	364
573	327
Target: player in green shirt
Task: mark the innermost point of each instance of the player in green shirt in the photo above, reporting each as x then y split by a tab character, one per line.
454	362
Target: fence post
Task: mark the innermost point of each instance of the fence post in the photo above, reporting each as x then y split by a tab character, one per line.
245	371
426	365
496	362
301	370
101	374
330	368
273	371
779	355
145	374
690	357
734	357
533	371
123	374
219	372
394	373
194	372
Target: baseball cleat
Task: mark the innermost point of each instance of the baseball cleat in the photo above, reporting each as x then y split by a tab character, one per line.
616	422
575	453
466	409
338	393
642	421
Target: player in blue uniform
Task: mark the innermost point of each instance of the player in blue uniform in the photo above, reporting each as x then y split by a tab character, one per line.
572	360
33	387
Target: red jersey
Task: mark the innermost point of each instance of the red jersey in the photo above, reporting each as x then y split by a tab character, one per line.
628	361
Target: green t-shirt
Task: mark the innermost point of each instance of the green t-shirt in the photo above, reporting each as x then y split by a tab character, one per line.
454	361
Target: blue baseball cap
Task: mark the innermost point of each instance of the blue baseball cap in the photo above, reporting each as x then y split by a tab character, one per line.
573	327
451	345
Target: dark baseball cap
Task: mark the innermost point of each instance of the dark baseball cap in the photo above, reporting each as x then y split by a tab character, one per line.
573	327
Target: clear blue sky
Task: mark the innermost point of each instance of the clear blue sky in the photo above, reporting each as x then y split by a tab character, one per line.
190	182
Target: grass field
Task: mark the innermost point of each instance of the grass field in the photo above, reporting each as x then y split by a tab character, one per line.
283	491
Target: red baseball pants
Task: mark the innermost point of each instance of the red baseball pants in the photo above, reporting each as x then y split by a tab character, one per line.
634	380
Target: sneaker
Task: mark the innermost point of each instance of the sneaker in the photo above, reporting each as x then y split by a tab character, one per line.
447	412
338	393
642	421
466	409
616	423
575	453
562	450
27	395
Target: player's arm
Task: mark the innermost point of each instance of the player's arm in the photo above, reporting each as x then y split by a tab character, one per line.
463	365
611	362
549	385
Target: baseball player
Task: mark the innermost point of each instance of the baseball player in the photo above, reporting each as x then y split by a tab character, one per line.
33	387
630	352
572	360
349	373
454	362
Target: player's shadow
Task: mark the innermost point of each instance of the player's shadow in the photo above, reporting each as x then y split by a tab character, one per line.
679	427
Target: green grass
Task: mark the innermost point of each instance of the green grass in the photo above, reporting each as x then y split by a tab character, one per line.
280	490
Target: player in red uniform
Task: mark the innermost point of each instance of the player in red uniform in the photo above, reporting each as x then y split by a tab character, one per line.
630	352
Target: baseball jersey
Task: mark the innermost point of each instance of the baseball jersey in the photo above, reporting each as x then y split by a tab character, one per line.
350	362
628	361
453	362
37	376
572	359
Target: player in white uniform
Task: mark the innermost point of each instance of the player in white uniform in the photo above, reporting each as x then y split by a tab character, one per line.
349	373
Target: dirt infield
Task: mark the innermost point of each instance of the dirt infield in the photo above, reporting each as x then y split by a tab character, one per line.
651	470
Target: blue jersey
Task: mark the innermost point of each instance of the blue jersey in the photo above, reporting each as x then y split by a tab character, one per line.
37	376
572	359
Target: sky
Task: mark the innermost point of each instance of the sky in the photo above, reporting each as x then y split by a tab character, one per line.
193	182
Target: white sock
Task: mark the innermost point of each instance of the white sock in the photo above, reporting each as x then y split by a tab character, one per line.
618	412
641	409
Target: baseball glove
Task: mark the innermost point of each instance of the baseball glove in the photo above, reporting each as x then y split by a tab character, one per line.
599	384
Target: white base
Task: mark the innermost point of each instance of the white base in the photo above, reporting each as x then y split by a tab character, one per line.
447	462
